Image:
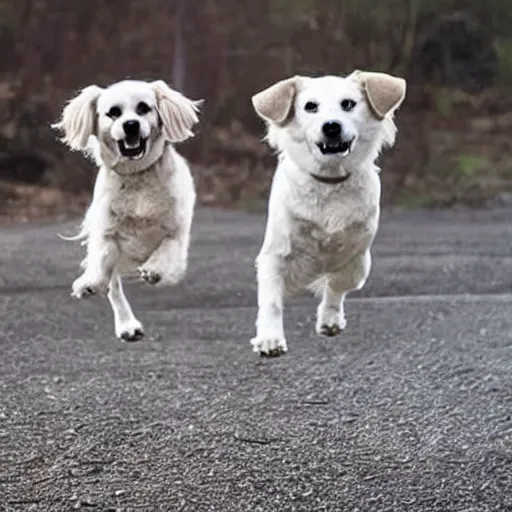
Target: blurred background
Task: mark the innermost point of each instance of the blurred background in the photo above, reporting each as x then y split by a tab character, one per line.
455	128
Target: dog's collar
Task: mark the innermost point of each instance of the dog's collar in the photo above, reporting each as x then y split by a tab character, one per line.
331	181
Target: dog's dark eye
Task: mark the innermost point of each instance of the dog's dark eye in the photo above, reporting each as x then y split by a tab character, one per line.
143	108
114	112
311	106
348	105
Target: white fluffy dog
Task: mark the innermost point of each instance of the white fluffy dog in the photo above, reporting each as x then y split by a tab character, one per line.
323	210
141	212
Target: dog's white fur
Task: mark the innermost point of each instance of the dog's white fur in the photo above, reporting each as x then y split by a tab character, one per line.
318	236
142	208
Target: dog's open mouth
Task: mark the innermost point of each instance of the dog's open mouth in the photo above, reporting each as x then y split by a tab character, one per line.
133	150
335	147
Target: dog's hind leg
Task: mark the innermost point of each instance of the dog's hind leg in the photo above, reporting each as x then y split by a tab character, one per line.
330	317
127	327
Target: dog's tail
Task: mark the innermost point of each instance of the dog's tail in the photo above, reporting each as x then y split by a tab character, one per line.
81	236
74	238
85	229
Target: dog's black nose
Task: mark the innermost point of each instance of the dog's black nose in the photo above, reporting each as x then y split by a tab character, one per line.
131	128
332	129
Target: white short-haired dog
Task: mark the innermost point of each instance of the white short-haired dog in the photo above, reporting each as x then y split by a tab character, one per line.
323	210
142	208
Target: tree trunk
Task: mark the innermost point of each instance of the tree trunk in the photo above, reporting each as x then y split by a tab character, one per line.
179	48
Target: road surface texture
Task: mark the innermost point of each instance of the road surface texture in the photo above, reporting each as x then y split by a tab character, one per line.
409	410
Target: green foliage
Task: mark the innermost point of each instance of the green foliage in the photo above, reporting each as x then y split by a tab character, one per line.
286	12
412	199
444	102
504	48
468	166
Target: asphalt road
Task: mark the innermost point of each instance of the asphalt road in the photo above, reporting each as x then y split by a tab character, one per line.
409	410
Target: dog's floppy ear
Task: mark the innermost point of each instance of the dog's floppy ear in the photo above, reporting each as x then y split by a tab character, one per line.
385	92
78	121
275	103
177	113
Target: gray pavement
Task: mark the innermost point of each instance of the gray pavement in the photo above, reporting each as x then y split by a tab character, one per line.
409	410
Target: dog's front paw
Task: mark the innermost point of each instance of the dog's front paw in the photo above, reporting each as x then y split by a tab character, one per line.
330	322
131	330
270	346
84	287
149	276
